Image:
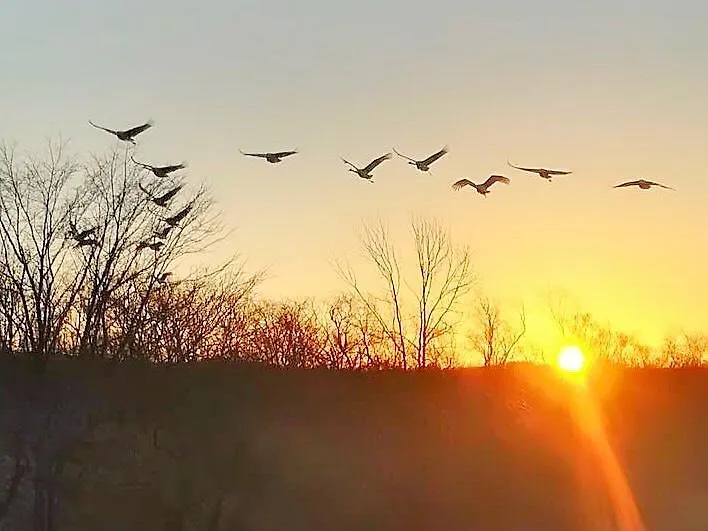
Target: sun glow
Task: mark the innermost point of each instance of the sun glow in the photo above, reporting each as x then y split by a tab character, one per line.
571	359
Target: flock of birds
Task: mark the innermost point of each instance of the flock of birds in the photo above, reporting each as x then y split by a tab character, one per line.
365	172
88	237
482	188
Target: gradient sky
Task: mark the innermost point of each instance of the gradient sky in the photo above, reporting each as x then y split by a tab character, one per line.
613	90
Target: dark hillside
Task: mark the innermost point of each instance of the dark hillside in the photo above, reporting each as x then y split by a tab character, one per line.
215	446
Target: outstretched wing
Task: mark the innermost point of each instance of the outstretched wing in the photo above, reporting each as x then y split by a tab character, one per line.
534	170
169	195
496	179
164	232
139	129
432	158
180	215
558	172
170	169
103	128
86	233
461	184
281	154
661	185
403	156
376	162
352	165
146	166
262	155
628	183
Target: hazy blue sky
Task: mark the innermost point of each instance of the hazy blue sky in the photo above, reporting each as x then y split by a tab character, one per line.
611	90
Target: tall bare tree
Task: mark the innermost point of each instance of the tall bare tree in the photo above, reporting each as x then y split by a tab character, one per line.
135	246
494	338
38	289
443	276
76	238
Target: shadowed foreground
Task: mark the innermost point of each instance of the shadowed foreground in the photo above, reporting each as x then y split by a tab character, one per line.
213	447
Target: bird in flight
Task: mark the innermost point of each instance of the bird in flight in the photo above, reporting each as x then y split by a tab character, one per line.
273	158
644	185
164	199
365	173
164	232
155	246
162	279
160	171
542	172
179	216
83	234
83	242
482	188
129	134
423	165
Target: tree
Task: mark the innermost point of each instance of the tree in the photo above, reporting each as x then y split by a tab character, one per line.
354	338
495	339
603	344
443	276
37	289
70	246
286	334
688	350
192	319
120	265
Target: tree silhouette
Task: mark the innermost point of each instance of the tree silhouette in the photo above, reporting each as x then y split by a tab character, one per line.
443	276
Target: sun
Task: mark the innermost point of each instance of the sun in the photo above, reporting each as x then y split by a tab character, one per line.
571	359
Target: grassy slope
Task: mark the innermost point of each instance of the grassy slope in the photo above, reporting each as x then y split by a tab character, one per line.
467	449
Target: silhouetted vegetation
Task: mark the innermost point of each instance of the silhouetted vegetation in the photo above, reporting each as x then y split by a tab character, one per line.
98	428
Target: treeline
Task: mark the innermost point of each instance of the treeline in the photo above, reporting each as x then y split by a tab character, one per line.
113	295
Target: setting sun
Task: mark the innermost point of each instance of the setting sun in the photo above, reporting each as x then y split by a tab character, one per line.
571	359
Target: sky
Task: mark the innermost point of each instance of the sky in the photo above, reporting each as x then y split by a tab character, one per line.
612	90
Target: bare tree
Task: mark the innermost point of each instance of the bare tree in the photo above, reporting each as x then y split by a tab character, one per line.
38	289
123	262
75	239
192	319
354	338
687	350
443	276
286	334
495	339
603	344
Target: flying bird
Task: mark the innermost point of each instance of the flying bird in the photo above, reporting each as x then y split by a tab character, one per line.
155	246
162	279
160	171
273	158
542	172
129	134
164	199
80	235
164	232
423	165
179	216
482	188
86	242
644	185
365	172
